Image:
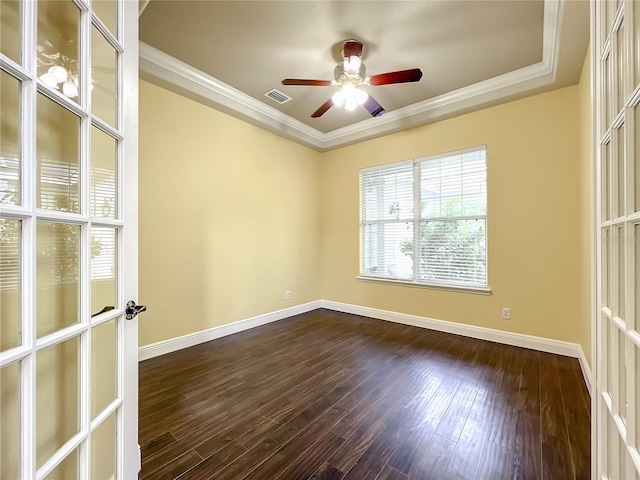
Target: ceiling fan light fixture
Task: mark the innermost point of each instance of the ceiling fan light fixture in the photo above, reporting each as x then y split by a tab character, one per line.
338	98
69	89
48	80
352	64
59	73
349	96
361	96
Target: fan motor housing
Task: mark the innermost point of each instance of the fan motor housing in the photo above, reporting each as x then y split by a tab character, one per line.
343	78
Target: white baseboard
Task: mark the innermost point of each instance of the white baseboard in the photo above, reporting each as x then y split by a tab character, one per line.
191	339
586	369
508	338
548	345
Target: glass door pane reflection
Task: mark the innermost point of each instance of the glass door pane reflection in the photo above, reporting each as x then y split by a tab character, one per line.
10	255
10	438
57	397
57	149
103	78
107	12
10	163
57	49
58	287
10	20
103	174
104	366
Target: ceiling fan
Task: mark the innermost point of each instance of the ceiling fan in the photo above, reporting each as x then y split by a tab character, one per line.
350	76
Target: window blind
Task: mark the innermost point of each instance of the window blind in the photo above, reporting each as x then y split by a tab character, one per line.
58	190
425	220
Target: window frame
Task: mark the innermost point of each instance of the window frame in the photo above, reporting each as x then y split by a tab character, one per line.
416	222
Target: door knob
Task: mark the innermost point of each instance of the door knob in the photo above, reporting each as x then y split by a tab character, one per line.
133	310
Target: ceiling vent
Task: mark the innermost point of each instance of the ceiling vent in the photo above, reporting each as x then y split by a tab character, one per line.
278	96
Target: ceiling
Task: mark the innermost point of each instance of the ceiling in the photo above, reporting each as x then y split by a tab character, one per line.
228	54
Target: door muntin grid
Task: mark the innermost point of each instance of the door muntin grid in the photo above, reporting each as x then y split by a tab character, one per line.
61	361
615	54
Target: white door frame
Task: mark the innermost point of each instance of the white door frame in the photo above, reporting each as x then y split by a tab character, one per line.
125	405
615	44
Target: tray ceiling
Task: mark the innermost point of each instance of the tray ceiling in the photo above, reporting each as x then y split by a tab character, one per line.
472	53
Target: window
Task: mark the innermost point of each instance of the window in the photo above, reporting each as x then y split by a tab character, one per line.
424	221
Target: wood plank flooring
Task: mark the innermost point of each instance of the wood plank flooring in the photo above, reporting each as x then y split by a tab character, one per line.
331	396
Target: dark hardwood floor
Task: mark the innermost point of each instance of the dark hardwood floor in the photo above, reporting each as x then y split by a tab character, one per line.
327	395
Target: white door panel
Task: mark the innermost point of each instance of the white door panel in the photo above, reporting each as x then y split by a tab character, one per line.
615	54
68	232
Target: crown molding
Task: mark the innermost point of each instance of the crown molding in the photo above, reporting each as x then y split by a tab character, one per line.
193	83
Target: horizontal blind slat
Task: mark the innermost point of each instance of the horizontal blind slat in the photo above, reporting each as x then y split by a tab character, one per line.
452	219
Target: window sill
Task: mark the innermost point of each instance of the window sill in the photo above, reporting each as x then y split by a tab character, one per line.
430	286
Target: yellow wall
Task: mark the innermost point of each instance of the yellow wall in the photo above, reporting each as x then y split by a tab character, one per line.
534	224
228	218
231	216
586	213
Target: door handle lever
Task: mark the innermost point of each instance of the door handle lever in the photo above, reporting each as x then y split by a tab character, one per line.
133	310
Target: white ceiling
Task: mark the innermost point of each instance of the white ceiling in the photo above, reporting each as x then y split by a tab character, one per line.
228	54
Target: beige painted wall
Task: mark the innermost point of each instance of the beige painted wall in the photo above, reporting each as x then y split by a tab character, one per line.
534	222
228	218
586	213
231	216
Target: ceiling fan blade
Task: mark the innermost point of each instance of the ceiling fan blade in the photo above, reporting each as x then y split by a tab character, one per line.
373	107
351	48
309	83
403	76
323	108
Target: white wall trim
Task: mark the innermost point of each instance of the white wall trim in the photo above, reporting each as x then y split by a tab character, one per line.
174	344
586	369
224	97
541	344
175	74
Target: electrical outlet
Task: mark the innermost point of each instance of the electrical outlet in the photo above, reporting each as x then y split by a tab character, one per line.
287	294
506	313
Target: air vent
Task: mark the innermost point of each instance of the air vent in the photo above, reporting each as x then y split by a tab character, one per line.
278	96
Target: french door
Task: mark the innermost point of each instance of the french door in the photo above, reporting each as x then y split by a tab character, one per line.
68	231
616	58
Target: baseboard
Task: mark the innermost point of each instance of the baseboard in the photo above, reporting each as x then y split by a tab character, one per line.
548	345
586	369
167	346
508	338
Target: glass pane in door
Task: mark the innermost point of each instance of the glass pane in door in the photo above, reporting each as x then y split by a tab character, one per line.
58	55
103	450
10	326
606	180
107	12
10	19
103	269
10	167
636	44
620	68
10	437
621	247
636	273
58	286
619	180
636	158
103	78
58	145
57	397
636	350
103	174
67	469
104	366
